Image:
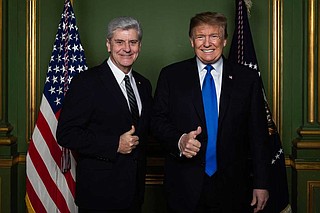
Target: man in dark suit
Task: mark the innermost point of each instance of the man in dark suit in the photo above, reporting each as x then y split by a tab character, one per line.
105	119
215	178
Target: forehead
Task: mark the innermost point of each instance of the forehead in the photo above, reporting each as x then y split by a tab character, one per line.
206	28
128	34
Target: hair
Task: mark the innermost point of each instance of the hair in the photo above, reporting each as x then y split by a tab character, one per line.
124	23
211	18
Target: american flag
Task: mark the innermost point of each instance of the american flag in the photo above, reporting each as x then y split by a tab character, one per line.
242	52
50	184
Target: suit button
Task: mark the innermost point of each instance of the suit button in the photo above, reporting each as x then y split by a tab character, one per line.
203	164
135	160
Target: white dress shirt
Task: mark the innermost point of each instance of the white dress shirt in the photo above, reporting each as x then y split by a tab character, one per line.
119	75
216	73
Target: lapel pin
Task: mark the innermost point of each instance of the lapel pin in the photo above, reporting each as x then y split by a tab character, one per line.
230	76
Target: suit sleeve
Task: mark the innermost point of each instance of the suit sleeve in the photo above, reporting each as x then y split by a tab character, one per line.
161	125
258	136
76	129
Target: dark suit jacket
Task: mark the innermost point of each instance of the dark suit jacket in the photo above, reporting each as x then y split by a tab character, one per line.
94	115
178	109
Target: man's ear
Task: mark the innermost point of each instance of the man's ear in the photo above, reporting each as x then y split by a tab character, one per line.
108	45
191	42
225	42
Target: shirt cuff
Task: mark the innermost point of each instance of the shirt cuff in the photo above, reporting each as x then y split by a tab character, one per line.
179	146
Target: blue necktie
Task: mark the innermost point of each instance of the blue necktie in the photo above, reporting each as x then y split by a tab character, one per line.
209	97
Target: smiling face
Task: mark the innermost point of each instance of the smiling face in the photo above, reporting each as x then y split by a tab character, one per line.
124	48
208	42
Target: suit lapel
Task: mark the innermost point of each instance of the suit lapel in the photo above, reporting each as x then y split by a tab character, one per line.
140	88
142	95
196	91
227	84
113	88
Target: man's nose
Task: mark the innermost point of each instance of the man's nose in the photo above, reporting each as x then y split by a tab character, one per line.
207	41
127	47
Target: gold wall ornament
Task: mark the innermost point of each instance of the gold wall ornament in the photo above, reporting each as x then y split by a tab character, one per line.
1	73
10	162
31	48
312	166
312	191
318	62
311	62
277	61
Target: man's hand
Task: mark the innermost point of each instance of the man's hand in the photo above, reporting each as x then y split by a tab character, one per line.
259	198
189	145
128	141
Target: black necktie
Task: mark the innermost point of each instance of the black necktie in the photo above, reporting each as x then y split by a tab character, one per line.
132	101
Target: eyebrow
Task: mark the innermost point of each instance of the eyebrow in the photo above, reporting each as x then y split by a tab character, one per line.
125	40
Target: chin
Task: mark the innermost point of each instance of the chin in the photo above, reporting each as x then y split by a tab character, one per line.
127	63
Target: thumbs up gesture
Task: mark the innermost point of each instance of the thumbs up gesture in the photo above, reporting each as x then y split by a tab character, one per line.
189	145
128	141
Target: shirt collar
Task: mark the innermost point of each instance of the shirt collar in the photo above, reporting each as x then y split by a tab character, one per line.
118	74
217	65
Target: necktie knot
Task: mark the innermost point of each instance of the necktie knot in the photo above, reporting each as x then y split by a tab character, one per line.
209	68
126	79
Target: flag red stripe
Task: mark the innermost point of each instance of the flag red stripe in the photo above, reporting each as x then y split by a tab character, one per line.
58	114
33	197
54	149
50	184
48	137
71	182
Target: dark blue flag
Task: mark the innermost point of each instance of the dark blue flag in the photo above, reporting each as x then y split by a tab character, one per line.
242	52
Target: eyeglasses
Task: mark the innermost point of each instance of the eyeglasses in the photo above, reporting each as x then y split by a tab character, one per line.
212	38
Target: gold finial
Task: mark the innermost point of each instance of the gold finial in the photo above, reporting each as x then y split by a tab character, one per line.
248	5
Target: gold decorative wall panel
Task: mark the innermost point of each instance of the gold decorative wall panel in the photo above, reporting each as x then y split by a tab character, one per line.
318	60
277	60
1	73
313	73
312	191
311	60
31	66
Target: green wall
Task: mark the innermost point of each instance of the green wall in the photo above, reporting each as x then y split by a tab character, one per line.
165	24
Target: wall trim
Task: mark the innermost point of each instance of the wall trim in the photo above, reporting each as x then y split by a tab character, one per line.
1	55
7	163
311	191
297	165
311	25
277	61
31	63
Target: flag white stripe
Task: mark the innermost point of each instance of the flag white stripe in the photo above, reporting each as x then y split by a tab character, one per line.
73	167
47	112
53	123
38	185
53	169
